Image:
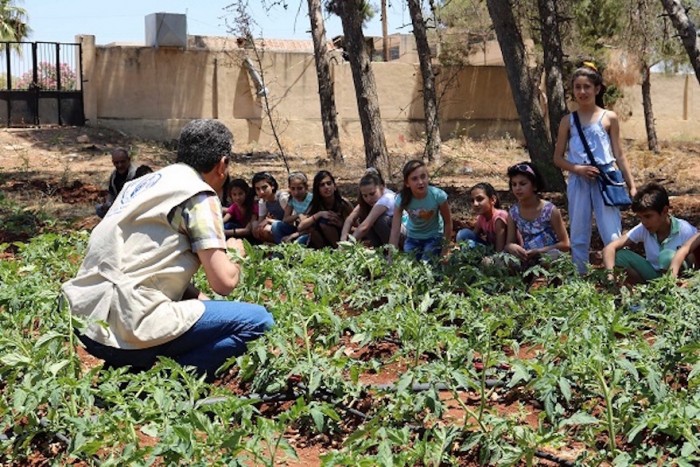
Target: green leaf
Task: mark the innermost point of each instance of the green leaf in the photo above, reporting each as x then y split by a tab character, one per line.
314	381
636	430
688	449
319	418
385	456
15	359
47	337
695	371
580	418
404	382
520	373
565	388
58	366
150	430
261	352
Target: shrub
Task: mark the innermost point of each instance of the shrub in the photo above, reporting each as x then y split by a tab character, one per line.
47	78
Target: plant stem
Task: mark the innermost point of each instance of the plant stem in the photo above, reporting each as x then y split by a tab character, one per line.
608	412
482	383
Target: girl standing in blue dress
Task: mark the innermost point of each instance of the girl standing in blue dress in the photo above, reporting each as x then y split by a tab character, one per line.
601	128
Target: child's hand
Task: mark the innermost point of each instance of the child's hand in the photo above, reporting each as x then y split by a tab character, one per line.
517	251
533	253
588	171
331	218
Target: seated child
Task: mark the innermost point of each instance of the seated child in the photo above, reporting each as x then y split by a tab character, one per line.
538	222
661	234
271	205
688	254
238	217
491	222
429	223
298	203
371	218
328	210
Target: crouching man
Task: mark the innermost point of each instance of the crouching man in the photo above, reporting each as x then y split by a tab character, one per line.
134	286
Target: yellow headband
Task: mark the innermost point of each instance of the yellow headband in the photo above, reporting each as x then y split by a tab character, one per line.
590	65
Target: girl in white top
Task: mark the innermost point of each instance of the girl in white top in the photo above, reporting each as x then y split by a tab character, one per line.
371	218
271	206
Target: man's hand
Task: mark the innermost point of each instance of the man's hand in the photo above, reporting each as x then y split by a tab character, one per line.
236	244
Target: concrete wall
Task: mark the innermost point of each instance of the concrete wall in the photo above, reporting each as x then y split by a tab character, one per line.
676	106
153	92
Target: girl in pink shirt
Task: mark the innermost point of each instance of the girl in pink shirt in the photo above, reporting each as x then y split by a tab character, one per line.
491	222
238	216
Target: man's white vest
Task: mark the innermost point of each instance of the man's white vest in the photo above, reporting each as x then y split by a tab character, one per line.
137	266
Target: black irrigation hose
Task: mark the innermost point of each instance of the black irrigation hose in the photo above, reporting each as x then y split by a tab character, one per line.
420	387
554	458
44	423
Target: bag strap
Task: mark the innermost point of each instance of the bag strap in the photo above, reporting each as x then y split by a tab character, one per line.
591	159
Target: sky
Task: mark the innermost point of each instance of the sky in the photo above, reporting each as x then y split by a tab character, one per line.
123	20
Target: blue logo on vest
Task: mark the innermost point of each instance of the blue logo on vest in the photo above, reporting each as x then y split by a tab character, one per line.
131	190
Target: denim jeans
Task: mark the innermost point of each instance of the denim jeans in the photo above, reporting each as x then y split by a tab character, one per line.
423	249
464	235
220	333
280	230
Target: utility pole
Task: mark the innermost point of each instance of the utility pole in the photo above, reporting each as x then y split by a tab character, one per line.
385	33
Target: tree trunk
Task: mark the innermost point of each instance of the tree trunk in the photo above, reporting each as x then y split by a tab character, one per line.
686	30
350	12
524	89
432	120
326	87
553	64
648	112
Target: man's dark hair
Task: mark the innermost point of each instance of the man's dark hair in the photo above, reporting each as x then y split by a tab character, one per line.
651	196
120	150
203	143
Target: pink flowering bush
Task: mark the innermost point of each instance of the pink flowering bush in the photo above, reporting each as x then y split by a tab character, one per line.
47	78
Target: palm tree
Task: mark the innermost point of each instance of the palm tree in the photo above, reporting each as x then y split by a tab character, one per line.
13	22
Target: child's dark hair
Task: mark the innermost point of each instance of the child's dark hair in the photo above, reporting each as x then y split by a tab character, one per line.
142	170
650	197
408	168
249	199
372	176
489	190
260	176
529	171
316	201
589	70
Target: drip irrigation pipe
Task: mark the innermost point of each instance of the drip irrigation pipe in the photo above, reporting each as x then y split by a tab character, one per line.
421	387
554	458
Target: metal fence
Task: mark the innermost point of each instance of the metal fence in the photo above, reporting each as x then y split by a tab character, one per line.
41	84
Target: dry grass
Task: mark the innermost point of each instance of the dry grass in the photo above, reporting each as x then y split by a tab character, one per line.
55	156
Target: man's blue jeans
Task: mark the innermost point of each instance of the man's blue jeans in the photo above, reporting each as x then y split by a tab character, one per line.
220	333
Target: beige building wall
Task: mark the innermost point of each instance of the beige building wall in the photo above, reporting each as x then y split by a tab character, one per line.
676	106
153	92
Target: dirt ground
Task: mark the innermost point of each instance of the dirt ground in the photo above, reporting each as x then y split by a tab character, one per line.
62	172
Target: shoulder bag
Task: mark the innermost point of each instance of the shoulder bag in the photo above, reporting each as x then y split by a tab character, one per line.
610	180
